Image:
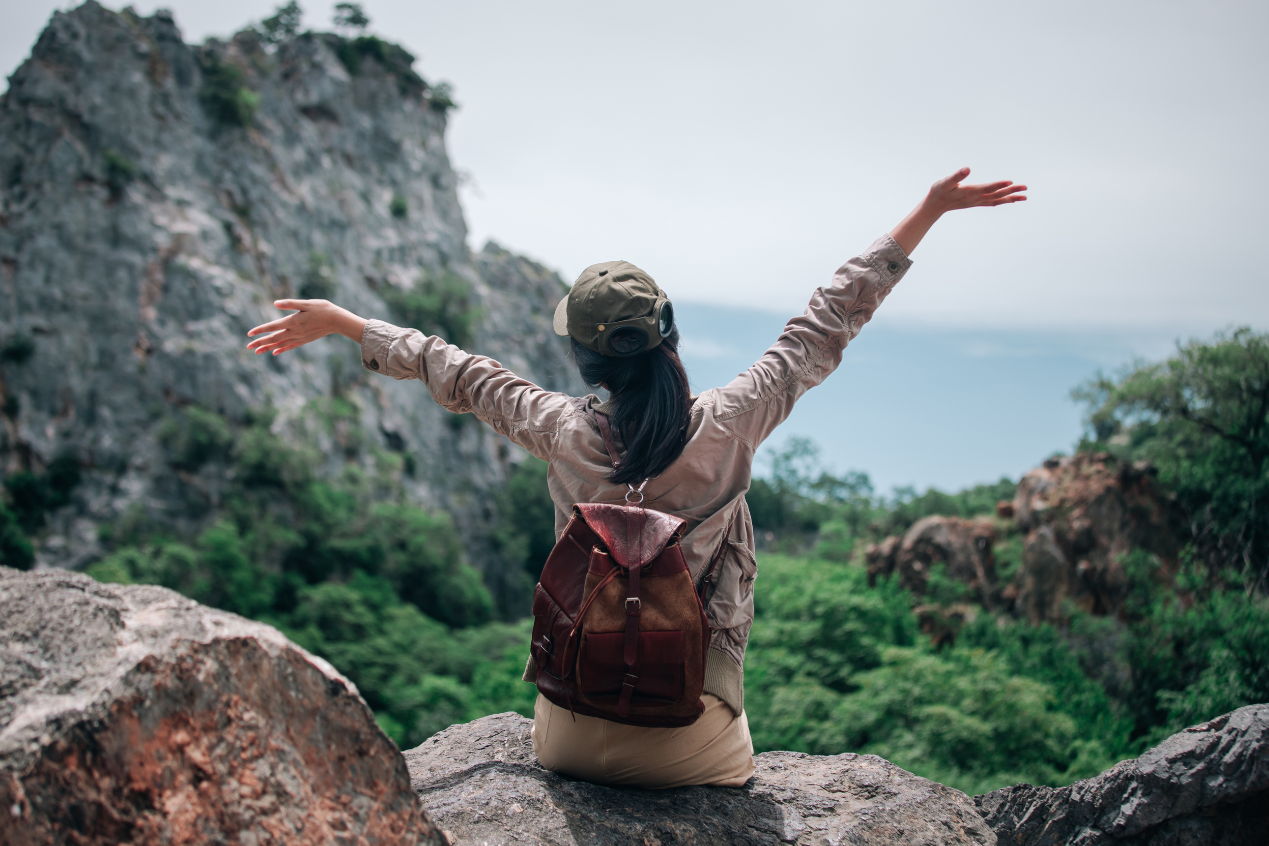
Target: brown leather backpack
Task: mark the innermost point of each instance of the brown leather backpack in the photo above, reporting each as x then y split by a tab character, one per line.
619	630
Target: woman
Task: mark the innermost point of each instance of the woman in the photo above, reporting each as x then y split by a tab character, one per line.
695	452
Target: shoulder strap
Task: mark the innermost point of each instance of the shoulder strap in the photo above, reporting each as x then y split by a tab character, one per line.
634	496
605	429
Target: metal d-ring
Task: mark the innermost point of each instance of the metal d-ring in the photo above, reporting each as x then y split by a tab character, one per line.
635	492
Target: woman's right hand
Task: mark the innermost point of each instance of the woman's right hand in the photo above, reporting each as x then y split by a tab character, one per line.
313	319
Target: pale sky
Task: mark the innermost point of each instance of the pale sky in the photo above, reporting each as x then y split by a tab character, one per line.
740	154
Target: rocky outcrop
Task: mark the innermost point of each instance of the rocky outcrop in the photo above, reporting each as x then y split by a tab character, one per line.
1206	785
481	783
1078	520
962	547
157	196
134	715
1080	516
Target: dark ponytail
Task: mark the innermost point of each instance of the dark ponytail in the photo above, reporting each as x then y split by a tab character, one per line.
651	404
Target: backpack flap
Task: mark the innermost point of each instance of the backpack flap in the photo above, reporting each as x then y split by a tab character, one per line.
632	534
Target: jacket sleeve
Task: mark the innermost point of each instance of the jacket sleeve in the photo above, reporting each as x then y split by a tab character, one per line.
811	346
463	382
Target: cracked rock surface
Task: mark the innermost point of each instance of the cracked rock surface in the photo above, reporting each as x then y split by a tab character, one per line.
480	783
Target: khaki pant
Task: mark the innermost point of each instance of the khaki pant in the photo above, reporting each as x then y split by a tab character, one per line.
716	749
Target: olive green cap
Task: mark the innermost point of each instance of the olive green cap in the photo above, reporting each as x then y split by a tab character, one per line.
608	293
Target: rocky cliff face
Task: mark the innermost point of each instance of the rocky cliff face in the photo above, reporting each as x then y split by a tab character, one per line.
156	197
130	714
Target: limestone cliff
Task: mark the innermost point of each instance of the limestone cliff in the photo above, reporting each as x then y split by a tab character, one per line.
157	196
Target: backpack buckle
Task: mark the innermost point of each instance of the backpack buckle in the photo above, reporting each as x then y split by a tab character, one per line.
633	606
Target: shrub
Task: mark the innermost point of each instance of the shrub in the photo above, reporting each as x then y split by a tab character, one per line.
438	304
17	348
15	550
224	94
193	436
421	556
398	208
440	97
33	495
318	282
354	52
120	171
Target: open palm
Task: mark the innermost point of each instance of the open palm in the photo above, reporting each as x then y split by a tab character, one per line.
314	319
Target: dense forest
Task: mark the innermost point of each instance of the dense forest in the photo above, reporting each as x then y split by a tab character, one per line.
841	658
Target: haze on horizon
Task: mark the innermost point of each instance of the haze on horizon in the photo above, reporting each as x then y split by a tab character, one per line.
741	155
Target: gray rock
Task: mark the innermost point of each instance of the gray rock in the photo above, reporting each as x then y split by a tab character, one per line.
140	239
481	784
129	714
1206	785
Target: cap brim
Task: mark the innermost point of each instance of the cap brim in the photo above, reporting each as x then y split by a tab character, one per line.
560	323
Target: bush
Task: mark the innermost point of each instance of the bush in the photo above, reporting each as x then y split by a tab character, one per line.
17	348
438	304
120	171
398	208
440	97
193	436
318	282
422	557
224	94
15	550
263	460
33	495
354	52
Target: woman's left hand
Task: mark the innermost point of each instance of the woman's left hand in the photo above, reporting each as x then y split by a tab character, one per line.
313	319
948	194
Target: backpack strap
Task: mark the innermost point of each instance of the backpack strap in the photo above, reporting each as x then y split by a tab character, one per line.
605	430
634	496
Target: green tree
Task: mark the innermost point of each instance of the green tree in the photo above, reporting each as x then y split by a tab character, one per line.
525	532
283	24
350	18
15	550
1202	418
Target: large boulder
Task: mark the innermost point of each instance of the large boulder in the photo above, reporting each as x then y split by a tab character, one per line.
130	714
481	783
1080	517
962	546
1203	786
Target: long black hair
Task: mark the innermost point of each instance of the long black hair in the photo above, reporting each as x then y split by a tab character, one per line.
651	403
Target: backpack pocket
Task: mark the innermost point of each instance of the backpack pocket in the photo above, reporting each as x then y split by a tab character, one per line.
550	634
601	667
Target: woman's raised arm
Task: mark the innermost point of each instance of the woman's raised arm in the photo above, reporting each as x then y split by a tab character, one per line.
948	194
812	345
313	319
458	380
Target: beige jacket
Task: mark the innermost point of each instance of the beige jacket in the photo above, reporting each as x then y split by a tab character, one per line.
706	485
